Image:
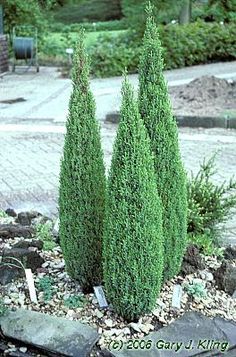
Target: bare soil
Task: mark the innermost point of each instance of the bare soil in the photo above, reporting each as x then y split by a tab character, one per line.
205	96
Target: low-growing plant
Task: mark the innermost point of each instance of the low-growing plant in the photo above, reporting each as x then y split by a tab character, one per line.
196	289
3	214
75	301
44	233
209	204
207	245
45	284
3	308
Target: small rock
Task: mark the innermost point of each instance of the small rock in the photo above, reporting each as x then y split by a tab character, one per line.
23	349
146	328
161	303
59	265
45	265
225	277
99	314
126	331
192	261
162	319
25	244
135	326
230	253
109	323
10	212
205	275
156	312
7	300
24	219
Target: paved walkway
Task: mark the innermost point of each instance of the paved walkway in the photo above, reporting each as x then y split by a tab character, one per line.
32	133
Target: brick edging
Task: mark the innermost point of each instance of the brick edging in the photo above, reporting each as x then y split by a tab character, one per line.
4	66
189	121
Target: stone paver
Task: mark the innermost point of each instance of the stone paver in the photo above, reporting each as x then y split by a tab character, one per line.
46	95
30	162
32	132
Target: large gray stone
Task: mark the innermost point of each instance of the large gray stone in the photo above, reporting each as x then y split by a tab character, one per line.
11	270
192	326
192	261
225	277
53	334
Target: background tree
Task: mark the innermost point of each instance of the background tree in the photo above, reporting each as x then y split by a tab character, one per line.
18	12
82	181
133	251
185	12
164	11
155	109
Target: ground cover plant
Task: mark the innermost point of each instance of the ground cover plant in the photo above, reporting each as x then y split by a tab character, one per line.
45	284
44	233
82	181
209	206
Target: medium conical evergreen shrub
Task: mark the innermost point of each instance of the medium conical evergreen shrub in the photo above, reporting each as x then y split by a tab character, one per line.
82	181
132	248
155	109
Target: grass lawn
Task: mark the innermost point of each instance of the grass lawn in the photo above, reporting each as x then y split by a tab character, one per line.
54	45
90	39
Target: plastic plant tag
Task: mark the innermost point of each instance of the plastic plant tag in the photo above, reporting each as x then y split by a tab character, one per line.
30	282
98	290
177	295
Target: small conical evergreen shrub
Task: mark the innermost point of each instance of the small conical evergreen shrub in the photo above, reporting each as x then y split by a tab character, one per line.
82	181
132	248
155	109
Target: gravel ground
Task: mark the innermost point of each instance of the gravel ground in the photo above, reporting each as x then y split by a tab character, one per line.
107	323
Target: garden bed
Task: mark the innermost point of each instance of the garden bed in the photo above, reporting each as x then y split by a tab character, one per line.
58	295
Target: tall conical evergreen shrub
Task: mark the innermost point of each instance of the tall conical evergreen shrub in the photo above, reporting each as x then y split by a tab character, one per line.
132	249
155	109
82	181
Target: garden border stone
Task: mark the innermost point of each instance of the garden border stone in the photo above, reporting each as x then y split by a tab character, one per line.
49	333
191	326
192	121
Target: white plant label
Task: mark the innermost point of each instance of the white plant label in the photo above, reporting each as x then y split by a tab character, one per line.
98	290
30	282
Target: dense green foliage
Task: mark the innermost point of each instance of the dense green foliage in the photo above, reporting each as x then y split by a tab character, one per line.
90	10
46	285
43	231
18	12
185	45
133	251
209	205
164	12
82	181
155	109
220	10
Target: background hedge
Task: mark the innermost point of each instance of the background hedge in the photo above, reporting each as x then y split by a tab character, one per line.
183	45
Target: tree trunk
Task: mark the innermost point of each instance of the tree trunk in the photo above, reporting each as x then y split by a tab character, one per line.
185	12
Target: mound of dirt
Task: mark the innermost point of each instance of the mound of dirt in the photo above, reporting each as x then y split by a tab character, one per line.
206	95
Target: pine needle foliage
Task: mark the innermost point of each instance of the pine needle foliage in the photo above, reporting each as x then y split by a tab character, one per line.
132	248
156	111
82	181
